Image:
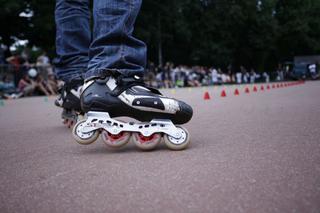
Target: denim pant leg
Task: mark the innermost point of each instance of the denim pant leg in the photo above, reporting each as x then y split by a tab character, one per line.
113	46
73	38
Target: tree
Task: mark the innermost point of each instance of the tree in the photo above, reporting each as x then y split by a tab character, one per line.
12	24
299	29
257	33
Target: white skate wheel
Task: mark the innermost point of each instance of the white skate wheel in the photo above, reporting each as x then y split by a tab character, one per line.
80	117
146	143
178	143
115	141
84	138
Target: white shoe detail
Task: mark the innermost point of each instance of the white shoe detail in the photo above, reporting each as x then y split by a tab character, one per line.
111	83
140	87
60	101
171	105
77	92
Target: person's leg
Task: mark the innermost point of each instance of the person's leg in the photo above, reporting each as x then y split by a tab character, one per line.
50	89
28	90
73	38
42	88
114	47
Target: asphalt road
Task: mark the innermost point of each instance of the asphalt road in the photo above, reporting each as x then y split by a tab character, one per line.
257	152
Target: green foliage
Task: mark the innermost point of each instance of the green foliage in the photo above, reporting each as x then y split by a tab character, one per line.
39	29
300	27
253	33
10	22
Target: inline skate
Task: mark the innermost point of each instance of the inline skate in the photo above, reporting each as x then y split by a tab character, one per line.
69	100
117	96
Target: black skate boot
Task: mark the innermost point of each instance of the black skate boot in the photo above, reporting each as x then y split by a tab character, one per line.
117	96
69	100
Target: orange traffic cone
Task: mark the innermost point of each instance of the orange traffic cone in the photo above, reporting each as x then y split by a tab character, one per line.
247	90
223	94
268	87
255	89
236	92
206	96
262	88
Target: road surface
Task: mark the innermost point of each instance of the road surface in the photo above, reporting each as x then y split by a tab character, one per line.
256	152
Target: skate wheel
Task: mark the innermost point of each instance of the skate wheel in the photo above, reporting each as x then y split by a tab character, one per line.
115	141
70	123
65	121
84	138
178	144
146	143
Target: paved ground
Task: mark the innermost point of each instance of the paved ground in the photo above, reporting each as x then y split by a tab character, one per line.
257	152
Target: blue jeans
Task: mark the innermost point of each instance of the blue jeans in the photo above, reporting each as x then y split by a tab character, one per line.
109	47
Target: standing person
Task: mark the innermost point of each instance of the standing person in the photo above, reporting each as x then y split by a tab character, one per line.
43	65
16	61
214	76
312	70
2	57
112	64
43	59
252	76
151	74
266	77
239	77
245	74
166	75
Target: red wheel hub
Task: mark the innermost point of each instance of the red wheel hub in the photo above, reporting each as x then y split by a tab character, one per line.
114	137
144	139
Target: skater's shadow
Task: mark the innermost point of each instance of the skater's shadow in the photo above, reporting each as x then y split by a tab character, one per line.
106	150
127	149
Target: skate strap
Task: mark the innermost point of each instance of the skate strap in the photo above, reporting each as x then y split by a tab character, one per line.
72	84
124	83
68	86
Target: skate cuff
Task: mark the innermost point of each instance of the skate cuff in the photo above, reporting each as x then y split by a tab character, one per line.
104	73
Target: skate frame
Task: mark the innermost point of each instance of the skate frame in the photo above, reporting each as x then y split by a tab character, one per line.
102	120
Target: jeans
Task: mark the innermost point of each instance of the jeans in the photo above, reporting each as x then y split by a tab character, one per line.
109	47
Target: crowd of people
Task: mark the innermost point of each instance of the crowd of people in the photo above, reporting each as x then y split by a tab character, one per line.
170	76
21	78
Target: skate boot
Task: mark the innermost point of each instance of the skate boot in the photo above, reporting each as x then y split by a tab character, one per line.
69	100
104	99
